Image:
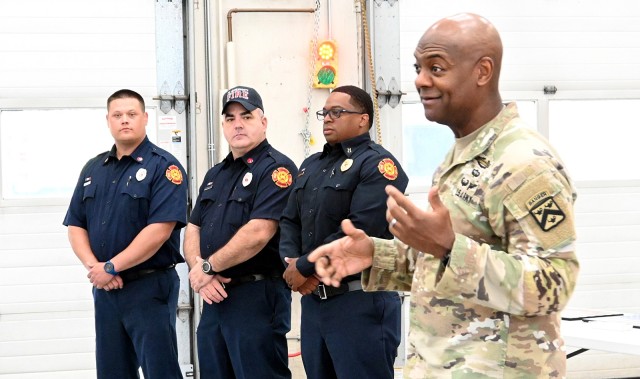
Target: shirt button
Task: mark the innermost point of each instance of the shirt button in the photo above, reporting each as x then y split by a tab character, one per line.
114	182
310	234
310	210
325	170
104	222
315	188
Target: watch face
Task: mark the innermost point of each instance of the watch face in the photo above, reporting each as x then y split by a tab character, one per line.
108	267
206	267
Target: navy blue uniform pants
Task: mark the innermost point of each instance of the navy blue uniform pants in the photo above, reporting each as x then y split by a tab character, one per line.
350	336
244	336
136	327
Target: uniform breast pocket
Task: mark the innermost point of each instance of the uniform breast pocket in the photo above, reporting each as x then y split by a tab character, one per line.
136	195
337	195
239	207
89	193
88	198
298	188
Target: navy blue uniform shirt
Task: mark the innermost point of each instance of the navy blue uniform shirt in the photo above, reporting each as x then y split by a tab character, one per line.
235	191
115	199
345	180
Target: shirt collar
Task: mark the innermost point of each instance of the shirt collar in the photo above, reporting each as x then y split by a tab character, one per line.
250	157
348	147
139	155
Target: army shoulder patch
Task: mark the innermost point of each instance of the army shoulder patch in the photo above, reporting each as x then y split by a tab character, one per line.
388	169
282	177
174	174
545	210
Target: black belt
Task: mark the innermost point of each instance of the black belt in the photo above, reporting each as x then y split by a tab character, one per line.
248	279
325	292
130	276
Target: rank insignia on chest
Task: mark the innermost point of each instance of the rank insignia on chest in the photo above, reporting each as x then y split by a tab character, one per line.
545	211
282	177
174	174
388	169
346	165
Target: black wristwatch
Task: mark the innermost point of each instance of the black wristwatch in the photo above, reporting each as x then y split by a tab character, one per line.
109	268
207	268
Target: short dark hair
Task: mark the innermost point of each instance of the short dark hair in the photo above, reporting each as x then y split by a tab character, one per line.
360	98
126	94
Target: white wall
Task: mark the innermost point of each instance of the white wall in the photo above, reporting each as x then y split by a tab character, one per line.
272	54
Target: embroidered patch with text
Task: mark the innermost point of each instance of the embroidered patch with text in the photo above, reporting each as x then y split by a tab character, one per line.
545	211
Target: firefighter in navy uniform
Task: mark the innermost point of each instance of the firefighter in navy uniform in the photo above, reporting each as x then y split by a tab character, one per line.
231	245
345	180
124	224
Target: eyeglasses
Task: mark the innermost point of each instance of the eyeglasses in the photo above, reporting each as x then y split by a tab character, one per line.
333	113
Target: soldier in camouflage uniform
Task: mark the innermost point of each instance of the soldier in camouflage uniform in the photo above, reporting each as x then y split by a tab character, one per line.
491	263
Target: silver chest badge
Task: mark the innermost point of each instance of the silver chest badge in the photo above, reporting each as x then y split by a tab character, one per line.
141	174
247	179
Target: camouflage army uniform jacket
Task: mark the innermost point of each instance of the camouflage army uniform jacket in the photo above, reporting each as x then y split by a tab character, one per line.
493	310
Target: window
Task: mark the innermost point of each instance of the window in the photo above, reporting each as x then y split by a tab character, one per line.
43	150
426	143
596	139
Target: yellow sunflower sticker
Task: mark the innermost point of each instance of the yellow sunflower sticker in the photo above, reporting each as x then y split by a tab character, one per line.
388	169
174	174
282	177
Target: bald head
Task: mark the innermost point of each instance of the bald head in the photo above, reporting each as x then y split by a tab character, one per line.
458	63
466	36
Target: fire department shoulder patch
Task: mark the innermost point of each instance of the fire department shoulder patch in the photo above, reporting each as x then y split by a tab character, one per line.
282	177
545	211
388	169
174	174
